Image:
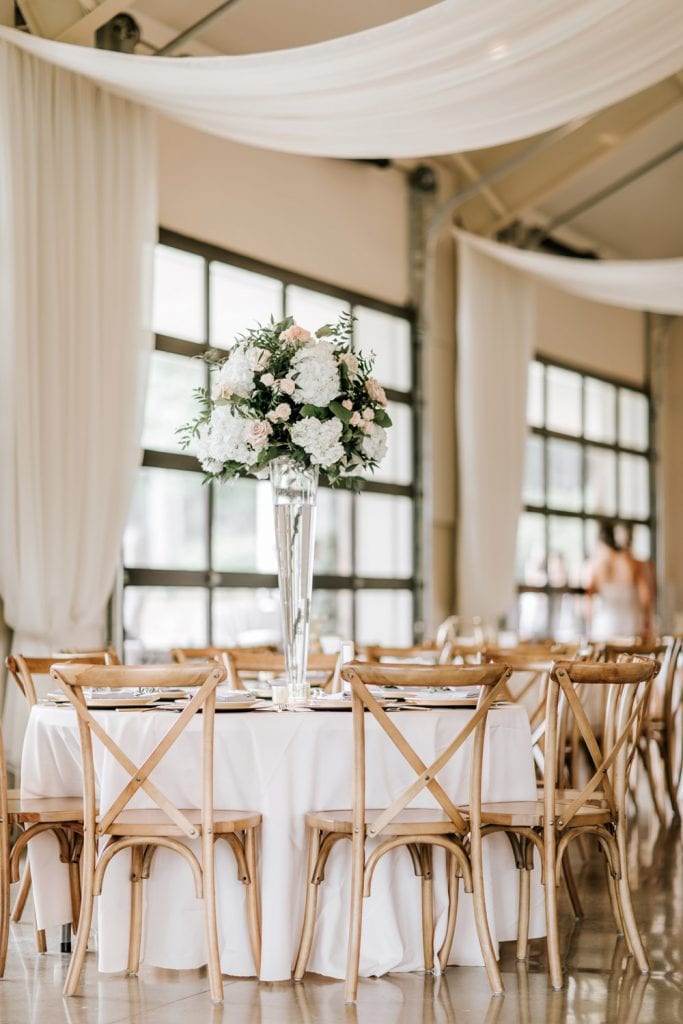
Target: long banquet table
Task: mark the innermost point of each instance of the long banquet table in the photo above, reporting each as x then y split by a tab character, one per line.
283	765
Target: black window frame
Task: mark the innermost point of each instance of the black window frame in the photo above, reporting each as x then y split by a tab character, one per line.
212	580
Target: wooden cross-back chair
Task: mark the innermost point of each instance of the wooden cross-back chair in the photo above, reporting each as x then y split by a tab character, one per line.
425	652
242	662
181	655
61	816
560	816
118	827
657	728
401	825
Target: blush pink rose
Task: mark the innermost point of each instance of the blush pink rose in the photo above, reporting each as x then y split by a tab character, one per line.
286	386
347	403
258	358
267	379
258	434
368	414
355	419
296	335
375	391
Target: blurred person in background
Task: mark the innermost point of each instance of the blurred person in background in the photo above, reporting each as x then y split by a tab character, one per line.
619	589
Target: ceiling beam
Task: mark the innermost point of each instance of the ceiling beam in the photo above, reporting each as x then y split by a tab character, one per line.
472	174
555	184
195	29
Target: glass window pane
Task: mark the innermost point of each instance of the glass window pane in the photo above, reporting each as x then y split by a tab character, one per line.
389	338
384	617
642	543
633	420
533	616
166	526
534	399
591	530
564	400
245	617
313	309
565	551
243	532
531	562
534	471
331	618
240	299
170	402
178	305
333	552
397	465
384	538
564	475
601	418
601	481
158	618
634	487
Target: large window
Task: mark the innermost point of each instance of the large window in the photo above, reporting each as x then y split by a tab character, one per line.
588	457
199	561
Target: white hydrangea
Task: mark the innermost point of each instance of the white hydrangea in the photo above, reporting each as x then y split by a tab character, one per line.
236	376
316	374
374	444
227	438
320	439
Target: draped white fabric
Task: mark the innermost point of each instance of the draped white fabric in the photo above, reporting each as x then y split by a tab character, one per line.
77	228
456	76
652	285
496	330
496	338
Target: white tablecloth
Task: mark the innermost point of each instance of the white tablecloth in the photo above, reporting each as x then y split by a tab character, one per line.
282	765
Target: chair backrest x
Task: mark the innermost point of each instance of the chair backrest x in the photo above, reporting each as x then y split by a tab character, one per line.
24	669
627	687
201	680
489	680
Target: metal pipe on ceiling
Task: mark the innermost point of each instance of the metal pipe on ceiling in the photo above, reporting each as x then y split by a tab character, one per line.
536	238
198	26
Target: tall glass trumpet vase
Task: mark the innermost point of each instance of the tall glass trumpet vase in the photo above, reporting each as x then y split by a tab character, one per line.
294	492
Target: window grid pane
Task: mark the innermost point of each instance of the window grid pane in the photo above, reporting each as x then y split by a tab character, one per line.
178	526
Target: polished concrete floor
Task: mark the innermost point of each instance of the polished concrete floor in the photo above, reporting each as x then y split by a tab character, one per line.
602	985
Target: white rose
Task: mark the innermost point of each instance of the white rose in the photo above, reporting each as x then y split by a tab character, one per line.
267	379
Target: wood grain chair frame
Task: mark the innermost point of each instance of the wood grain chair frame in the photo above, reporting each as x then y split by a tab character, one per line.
548	825
5	908
181	655
651	731
62	817
399	824
141	831
238	660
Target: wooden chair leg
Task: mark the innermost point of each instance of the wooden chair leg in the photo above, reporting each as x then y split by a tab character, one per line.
253	904
210	918
652	781
614	900
522	950
480	915
427	908
84	921
22	895
355	917
41	941
631	932
4	892
552	927
135	934
453	892
308	926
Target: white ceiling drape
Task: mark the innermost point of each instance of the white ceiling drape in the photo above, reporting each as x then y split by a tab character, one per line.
650	285
457	76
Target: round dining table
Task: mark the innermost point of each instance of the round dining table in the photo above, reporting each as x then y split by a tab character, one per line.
282	765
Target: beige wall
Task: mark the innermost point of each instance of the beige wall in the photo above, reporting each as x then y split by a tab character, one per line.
590	335
668	373
340	221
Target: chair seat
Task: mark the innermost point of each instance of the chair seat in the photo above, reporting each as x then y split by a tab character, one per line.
154	822
44	809
530	813
565	796
412	821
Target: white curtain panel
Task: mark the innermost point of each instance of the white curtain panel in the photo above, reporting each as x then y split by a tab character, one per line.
77	230
457	76
496	338
655	286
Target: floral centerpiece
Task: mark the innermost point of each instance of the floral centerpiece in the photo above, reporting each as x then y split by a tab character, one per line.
283	391
286	402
